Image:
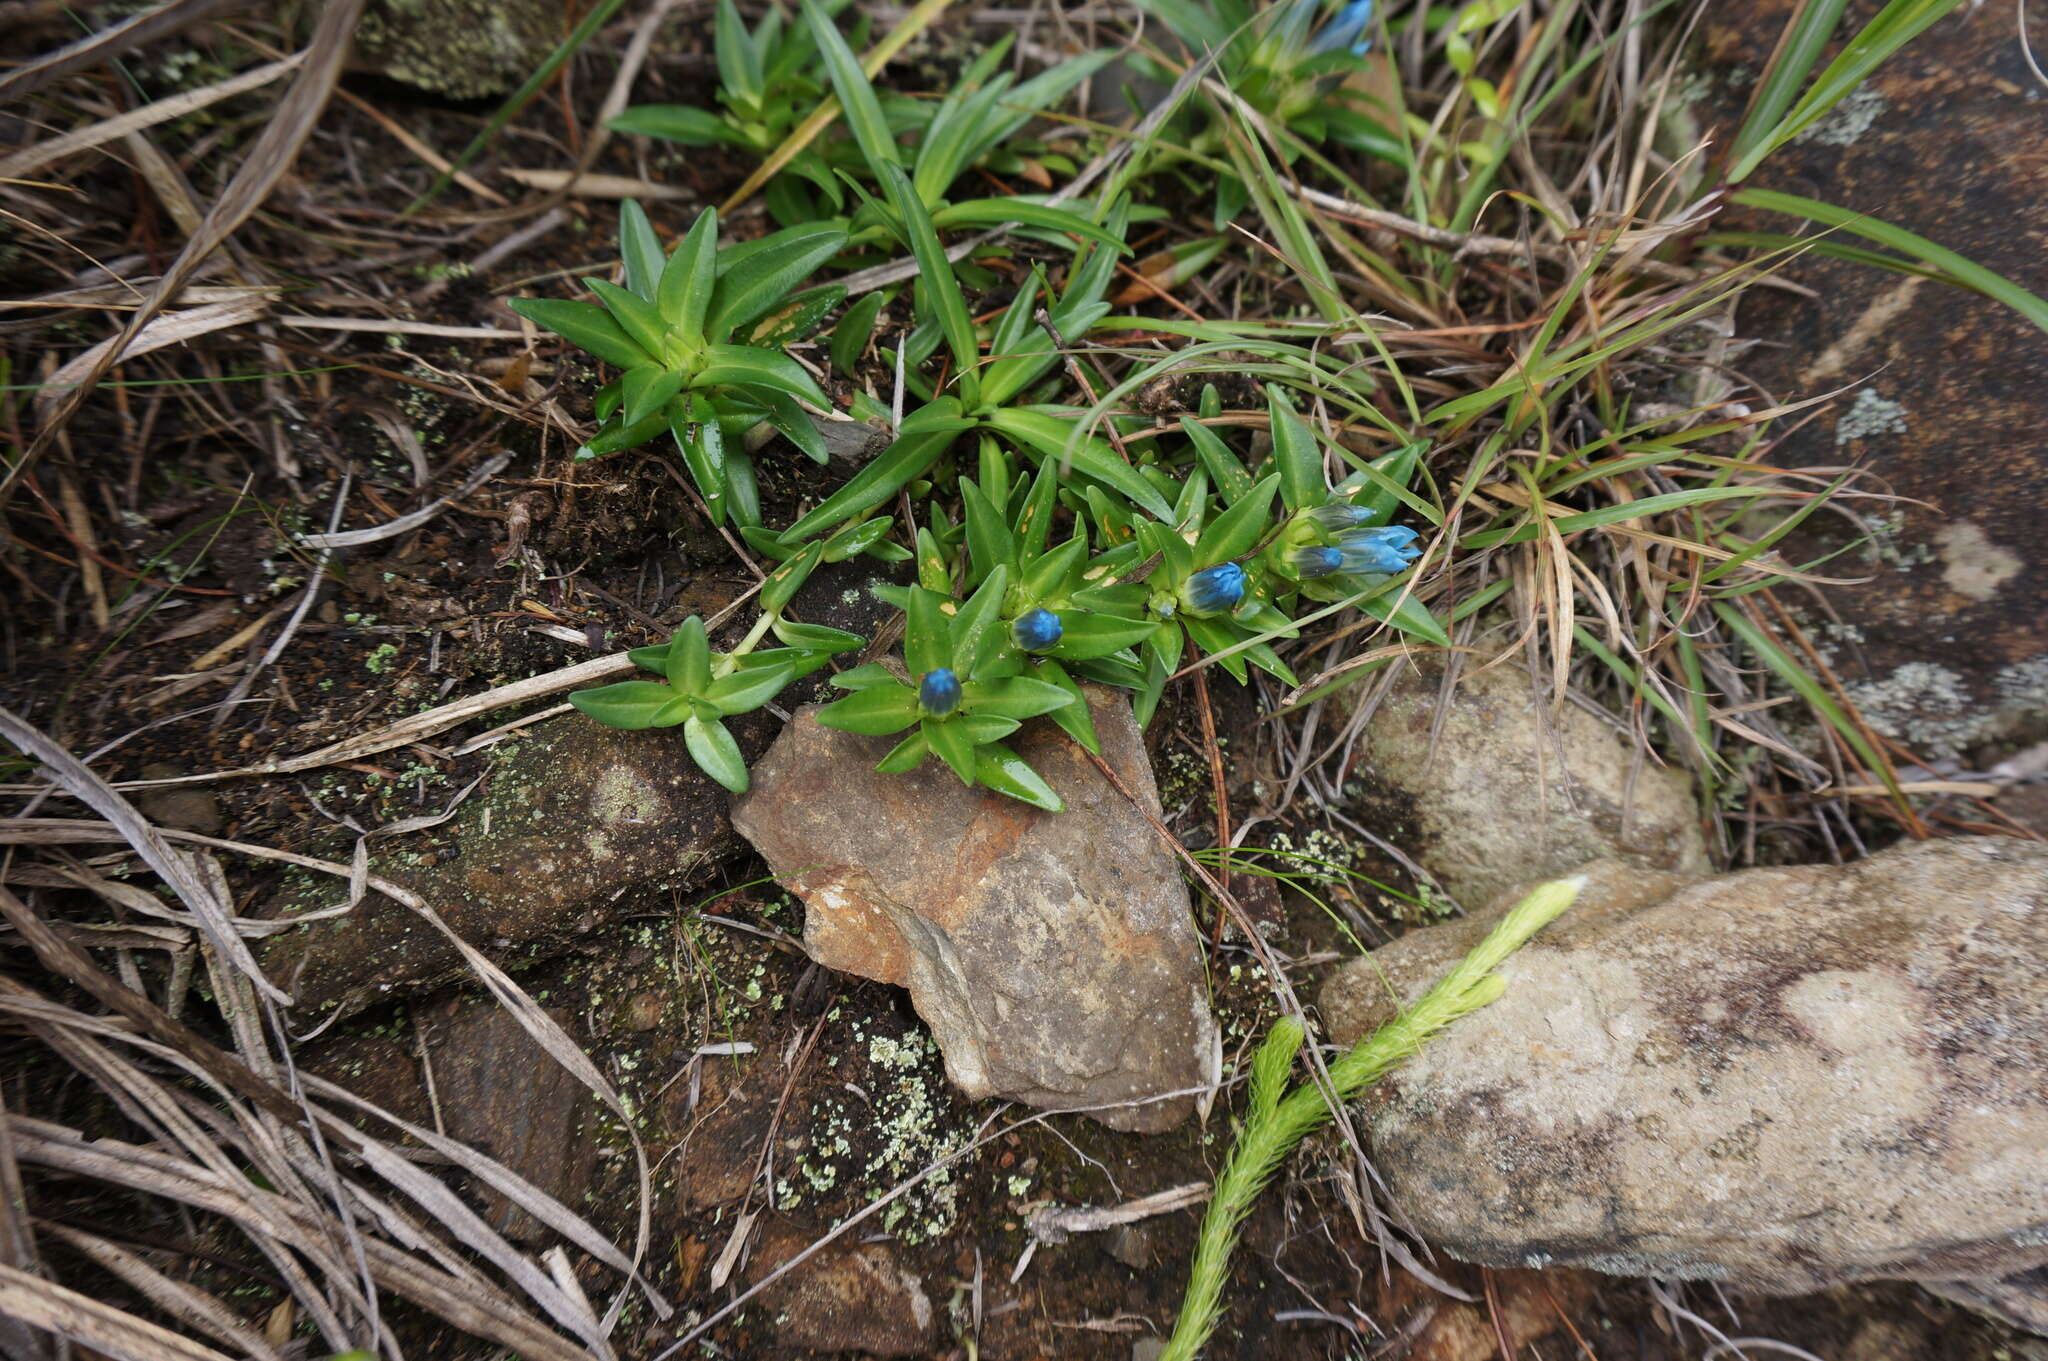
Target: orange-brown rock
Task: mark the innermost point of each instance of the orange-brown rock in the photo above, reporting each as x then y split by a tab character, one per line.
1052	954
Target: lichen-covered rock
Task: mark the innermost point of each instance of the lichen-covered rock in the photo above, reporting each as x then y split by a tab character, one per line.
1945	643
1780	1079
461	49
1501	789
572	819
1052	954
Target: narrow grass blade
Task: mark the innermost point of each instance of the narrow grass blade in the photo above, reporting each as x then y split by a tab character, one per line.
1949	266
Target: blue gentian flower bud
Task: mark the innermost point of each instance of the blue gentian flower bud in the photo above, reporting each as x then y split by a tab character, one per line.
1312	560
939	692
1386	549
1337	516
1346	30
1213	589
1036	630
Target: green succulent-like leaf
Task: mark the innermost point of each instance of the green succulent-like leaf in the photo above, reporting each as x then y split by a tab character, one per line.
856	539
752	283
1233	533
1388	474
726	365
739	64
648	389
1048	573
951	743
906	755
997	767
927	632
989	541
873	712
715	752
866	676
941	415
690	277
789	417
994	212
782	583
640	249
747	690
619	435
1408	615
584	324
689	658
855	328
941	288
816	636
982	728
625	704
976	632
1076	719
1085	635
1295	454
636	315
695	428
1050	437
864	117
1018	697
892	470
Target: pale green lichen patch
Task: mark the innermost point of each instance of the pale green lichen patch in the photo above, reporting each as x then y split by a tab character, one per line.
621	798
1846	123
904	1121
1870	415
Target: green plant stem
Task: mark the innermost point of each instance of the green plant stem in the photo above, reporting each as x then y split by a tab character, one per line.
729	663
1274	1127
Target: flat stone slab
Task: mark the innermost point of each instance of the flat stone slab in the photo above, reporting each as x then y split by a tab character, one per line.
1782	1079
1052	954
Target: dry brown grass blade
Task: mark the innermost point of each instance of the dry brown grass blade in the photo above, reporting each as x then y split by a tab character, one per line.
65	959
216	918
172	328
235	1079
190	1305
17	1245
475	1309
33	158
272	155
83	1319
97	49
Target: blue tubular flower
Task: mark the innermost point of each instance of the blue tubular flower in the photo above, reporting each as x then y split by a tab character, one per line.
1346	30
1036	630
1314	560
1386	549
1213	589
1338	516
939	692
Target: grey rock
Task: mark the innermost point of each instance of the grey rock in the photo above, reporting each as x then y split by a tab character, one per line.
1780	1079
498	1091
461	49
2020	1300
1500	789
1052	954
570	822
